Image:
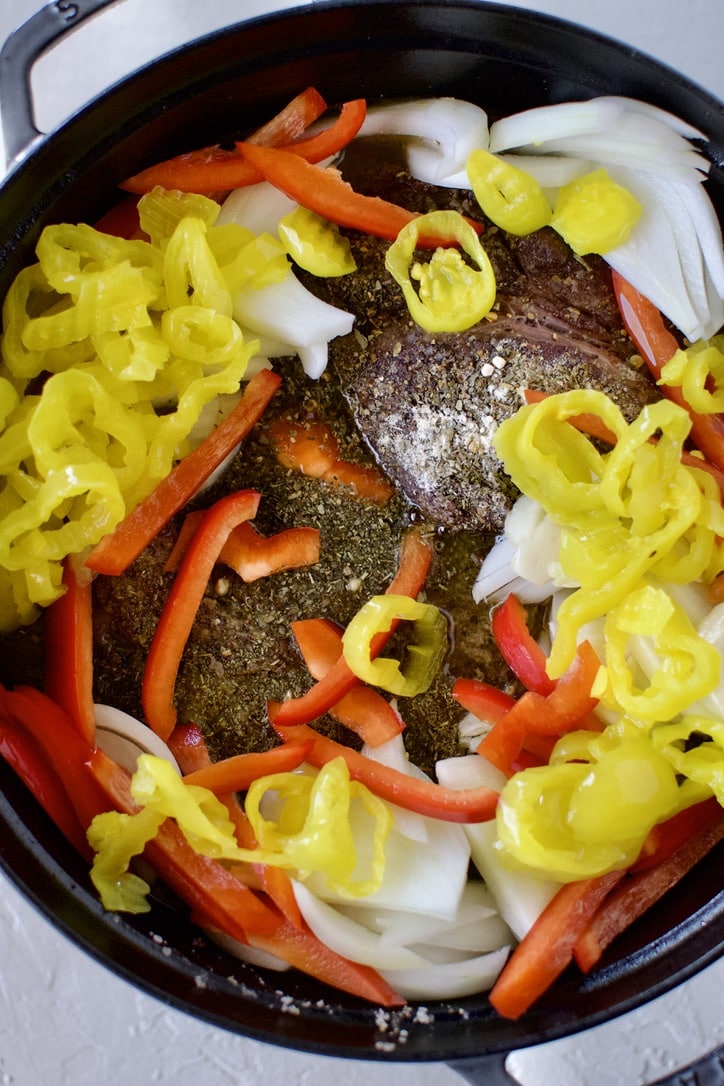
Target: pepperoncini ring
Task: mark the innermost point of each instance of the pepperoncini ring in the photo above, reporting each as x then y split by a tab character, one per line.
451	294
423	654
509	196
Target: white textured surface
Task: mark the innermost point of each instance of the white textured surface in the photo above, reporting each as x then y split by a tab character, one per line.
64	1020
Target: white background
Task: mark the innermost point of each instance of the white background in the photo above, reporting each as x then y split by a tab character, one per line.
65	1021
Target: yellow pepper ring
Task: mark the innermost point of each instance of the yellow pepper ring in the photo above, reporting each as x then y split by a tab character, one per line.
423	655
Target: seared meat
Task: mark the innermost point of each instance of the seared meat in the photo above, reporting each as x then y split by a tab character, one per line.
429	405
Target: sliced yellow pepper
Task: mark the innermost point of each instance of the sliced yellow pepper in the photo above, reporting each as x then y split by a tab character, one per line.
699	372
509	196
316	244
325	824
423	656
451	294
701	762
595	214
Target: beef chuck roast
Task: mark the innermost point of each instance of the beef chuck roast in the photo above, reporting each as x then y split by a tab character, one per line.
429	405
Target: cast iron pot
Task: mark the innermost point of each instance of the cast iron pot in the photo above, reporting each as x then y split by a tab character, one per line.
223	85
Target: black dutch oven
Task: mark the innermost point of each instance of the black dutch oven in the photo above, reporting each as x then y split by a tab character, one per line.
224	84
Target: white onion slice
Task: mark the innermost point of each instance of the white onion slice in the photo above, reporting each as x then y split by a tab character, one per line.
245	953
520	895
124	738
534	127
452	980
287	311
256	207
448	130
392	753
348	937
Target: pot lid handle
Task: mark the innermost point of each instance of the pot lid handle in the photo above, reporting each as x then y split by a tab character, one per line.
17	57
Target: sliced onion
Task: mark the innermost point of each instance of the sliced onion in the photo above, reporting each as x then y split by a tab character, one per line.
288	312
448	129
452	980
124	738
550	171
520	895
348	937
535	127
392	753
245	953
256	207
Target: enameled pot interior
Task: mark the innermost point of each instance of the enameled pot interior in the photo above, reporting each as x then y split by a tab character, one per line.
220	87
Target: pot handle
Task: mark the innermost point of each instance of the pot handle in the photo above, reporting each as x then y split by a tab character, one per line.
17	56
484	1070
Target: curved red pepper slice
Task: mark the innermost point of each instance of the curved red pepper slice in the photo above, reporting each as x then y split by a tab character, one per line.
519	649
364	710
115	552
180	610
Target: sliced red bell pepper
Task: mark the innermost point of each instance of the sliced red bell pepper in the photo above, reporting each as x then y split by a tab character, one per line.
485	701
594	427
65	749
252	555
364	710
413	793
211	170
546	950
122	220
325	192
238	772
115	552
311	448
415	558
188	746
715	591
666	837
657	346
632	897
292	120
68	678
180	609
27	758
332	139
519	649
566	707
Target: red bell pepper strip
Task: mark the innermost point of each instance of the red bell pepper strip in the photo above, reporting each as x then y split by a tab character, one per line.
69	650
180	609
188	746
666	837
325	192
330	140
238	772
415	559
26	757
485	701
115	552
567	706
252	555
364	710
292	120
657	346
594	427
65	749
413	793
311	448
121	220
547	948
518	647
216	169
636	894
